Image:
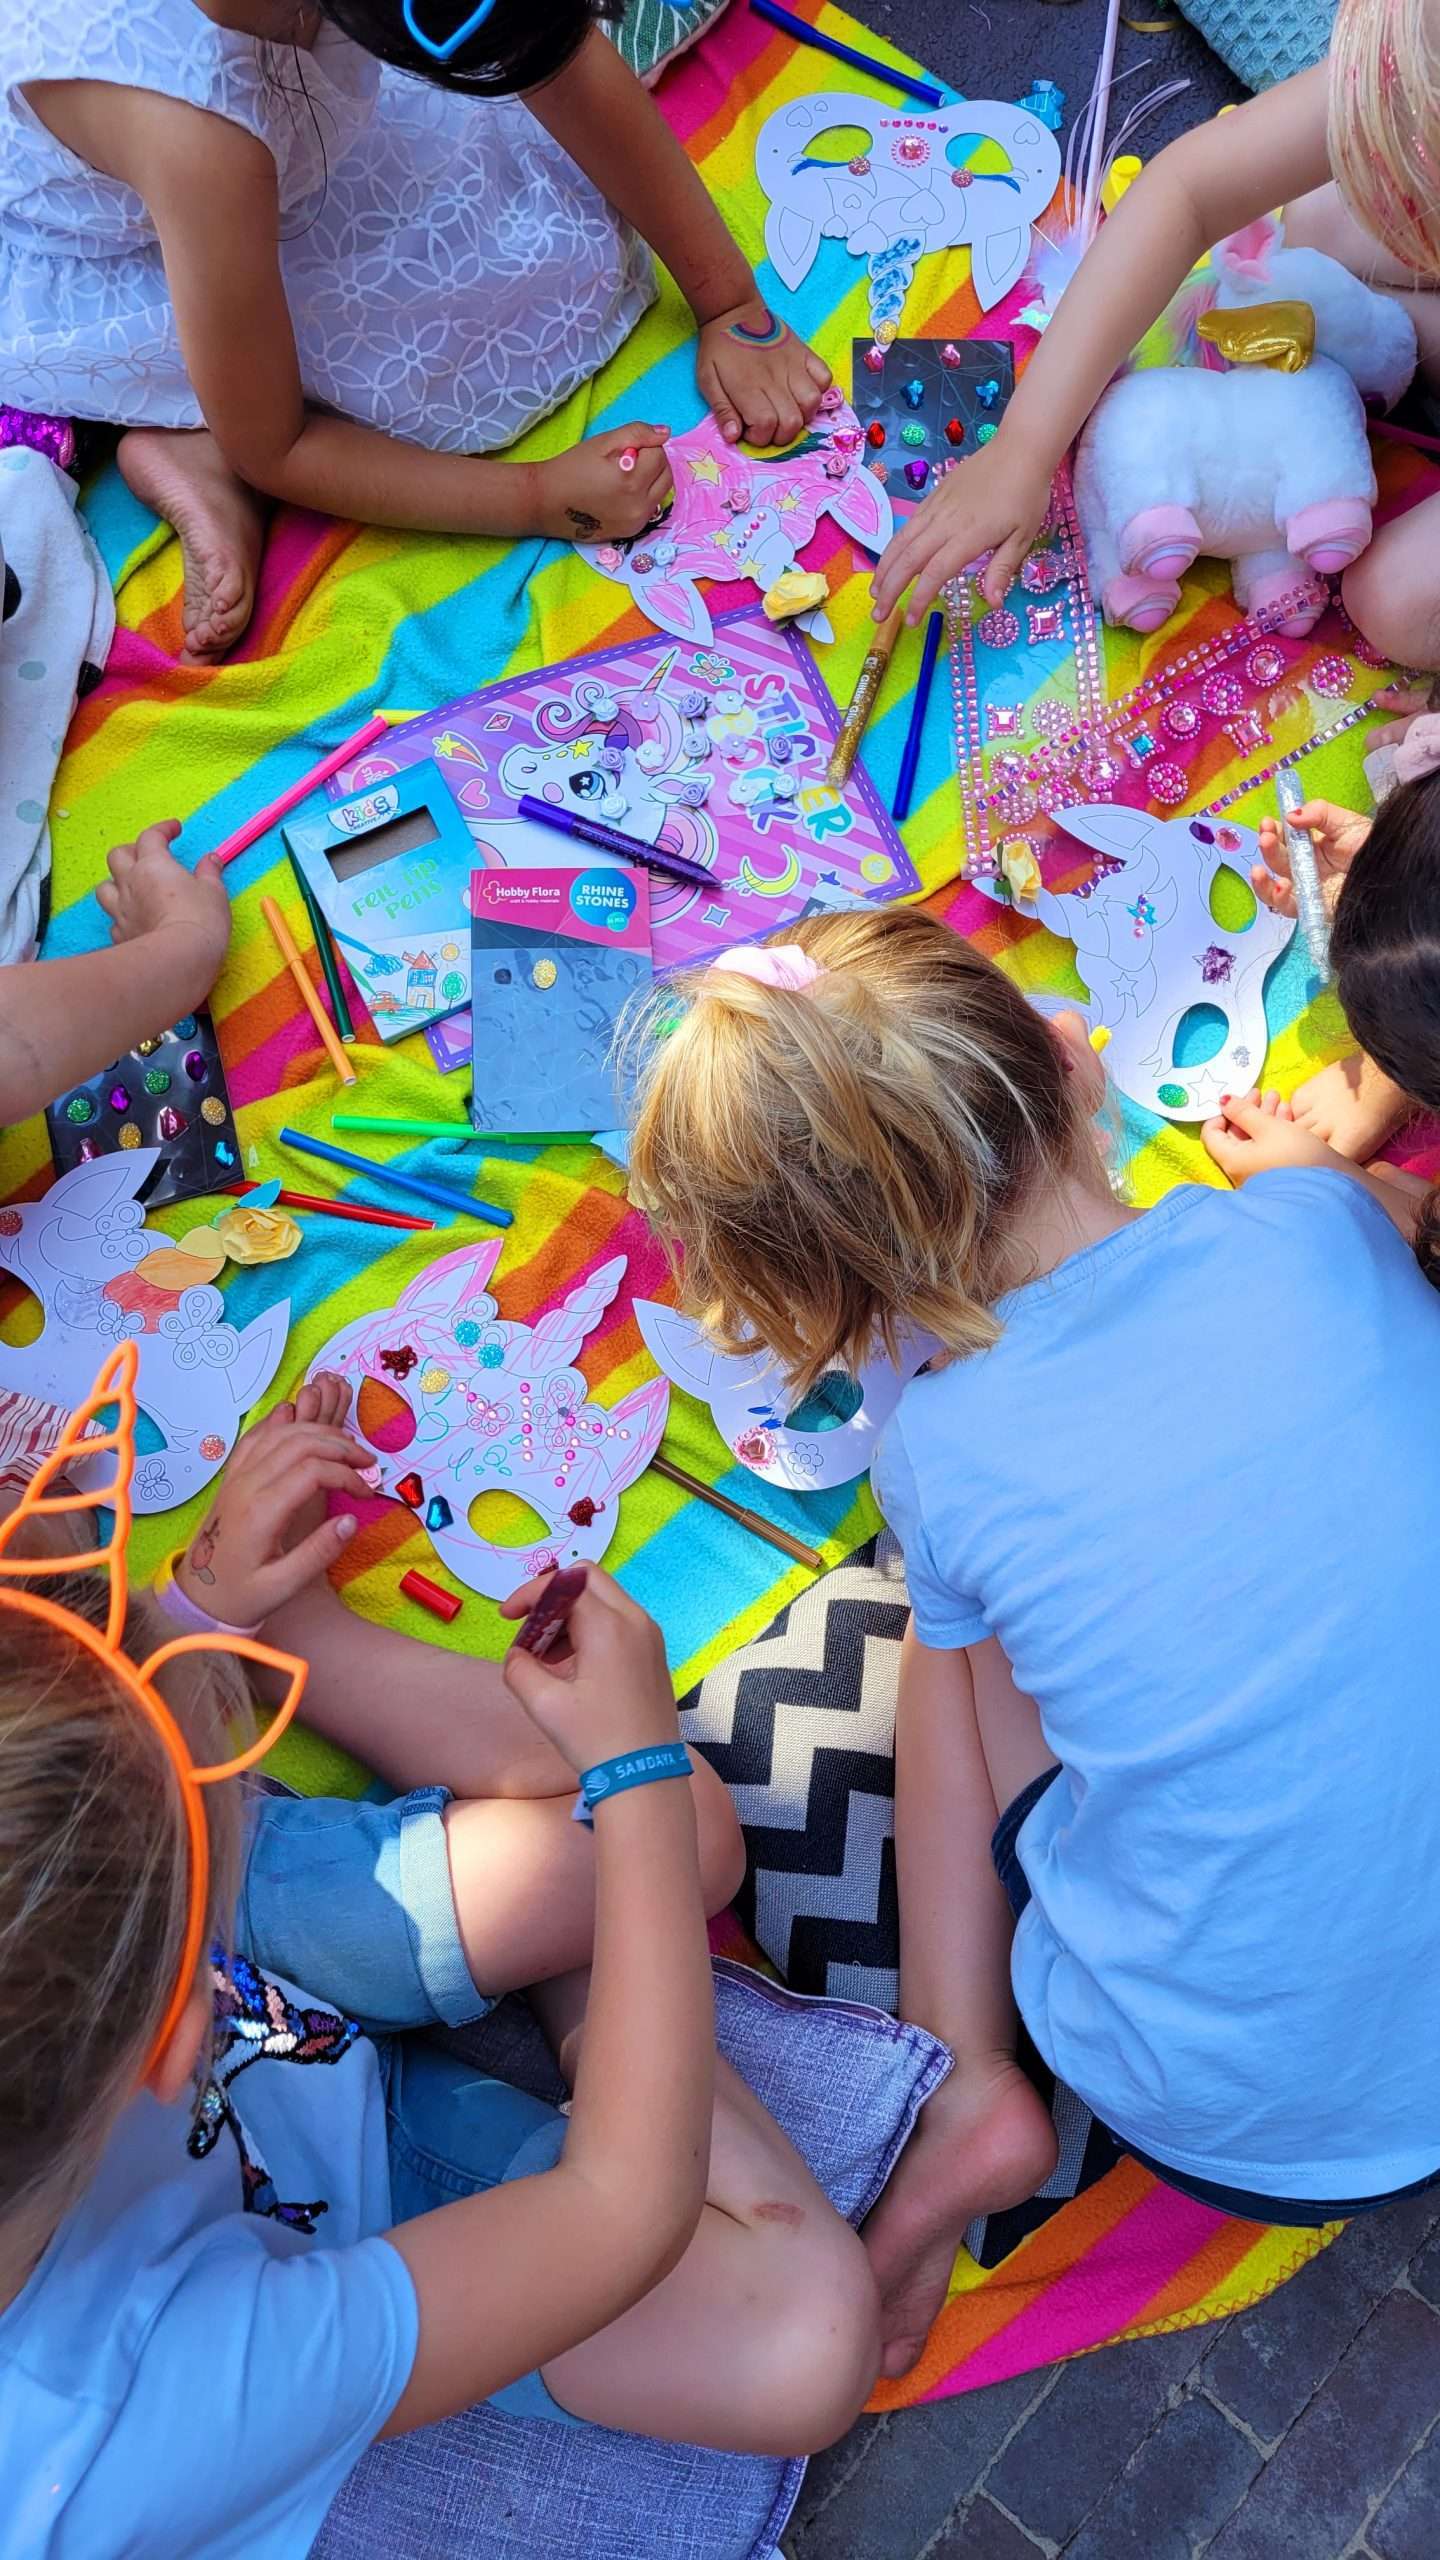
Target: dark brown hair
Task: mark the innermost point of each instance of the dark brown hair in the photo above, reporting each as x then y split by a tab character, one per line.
1385	951
522	43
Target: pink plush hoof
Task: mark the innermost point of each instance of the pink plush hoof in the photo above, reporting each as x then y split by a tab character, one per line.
1268	591
1160	542
1139	604
1327	537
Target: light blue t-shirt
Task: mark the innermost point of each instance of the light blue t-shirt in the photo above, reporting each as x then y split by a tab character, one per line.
1194	1491
183	2376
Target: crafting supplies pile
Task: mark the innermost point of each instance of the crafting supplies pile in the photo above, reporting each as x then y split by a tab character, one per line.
351	621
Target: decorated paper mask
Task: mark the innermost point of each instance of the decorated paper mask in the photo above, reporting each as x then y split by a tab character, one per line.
1150	951
101	1277
893	182
455	1401
736	515
829	1440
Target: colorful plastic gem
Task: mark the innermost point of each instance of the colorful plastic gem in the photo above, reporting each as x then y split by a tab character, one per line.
1042	571
962	177
119	1097
912	432
147	1048
998	629
954	430
171	1123
186	1027
1229	839
874	359
1180	719
887	333
399	1363
1043	100
912	151
1142	744
913	392
1051	719
1331	675
984	433
1248	732
643	562
988	392
156	1080
880	468
88	1150
1167	784
1100	772
213	1110
79	1109
1005	719
224	1153
1217	965
859	168
438	1514
128	1135
1174	1096
1046	622
410	1489
1265	663
1201	833
917	473
950	353
846	440
1222	695
195	1066
875	433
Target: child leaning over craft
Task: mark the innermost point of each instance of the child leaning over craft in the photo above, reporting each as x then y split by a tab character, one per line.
1167	1777
372	2234
296	274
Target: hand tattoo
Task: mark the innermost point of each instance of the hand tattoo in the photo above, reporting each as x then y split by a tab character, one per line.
582	523
203	1549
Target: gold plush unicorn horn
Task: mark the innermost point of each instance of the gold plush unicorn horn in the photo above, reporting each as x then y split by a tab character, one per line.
88	1434
1278	335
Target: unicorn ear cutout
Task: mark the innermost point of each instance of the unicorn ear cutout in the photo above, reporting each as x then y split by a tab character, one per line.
85	1436
235	1648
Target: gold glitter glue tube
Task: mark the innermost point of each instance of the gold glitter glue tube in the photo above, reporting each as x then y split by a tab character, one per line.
862	700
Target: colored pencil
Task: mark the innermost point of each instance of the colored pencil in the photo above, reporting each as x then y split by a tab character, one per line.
654	857
340	1208
274	810
804	33
751	1520
910	752
440	1192
459	1129
285	944
320	935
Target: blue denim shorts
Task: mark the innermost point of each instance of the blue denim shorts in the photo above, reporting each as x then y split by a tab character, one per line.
354	1902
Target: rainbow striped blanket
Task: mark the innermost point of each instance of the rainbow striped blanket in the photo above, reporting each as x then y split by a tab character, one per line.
349	621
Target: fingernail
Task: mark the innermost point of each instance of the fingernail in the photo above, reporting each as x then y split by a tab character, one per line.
346	1526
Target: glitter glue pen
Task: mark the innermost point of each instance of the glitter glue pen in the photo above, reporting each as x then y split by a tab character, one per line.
1304	873
862	700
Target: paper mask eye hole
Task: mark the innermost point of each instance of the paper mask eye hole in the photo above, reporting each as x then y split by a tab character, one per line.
831	1403
1200	1034
384	1418
1233	902
505	1519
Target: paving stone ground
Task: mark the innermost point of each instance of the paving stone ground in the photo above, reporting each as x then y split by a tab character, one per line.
1307	2429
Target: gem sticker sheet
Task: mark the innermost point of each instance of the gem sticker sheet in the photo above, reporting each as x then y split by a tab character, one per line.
169	1094
925	403
718	753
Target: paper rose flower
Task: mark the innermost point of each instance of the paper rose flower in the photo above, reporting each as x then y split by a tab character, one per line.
258	1235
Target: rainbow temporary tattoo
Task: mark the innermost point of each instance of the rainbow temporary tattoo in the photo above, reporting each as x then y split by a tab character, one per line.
770	337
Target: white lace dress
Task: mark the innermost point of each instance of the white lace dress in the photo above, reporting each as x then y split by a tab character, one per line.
451	275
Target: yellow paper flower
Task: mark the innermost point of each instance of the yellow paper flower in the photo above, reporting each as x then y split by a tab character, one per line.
258	1235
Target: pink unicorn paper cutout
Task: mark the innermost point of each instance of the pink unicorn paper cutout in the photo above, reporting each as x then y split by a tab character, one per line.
736	515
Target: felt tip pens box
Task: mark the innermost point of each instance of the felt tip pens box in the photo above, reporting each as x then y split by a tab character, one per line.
556	956
389	868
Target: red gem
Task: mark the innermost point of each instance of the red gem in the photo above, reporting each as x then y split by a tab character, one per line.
583	1511
398	1364
954	431
875	432
411	1490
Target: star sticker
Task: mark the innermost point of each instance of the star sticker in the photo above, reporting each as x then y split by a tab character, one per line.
788	502
704	466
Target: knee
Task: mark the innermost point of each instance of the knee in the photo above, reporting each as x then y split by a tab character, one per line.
1392	596
822	2349
721	1840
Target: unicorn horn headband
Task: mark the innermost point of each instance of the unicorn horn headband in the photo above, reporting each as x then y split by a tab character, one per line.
115	1386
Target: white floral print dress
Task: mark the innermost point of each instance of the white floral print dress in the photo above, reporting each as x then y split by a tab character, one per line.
451	275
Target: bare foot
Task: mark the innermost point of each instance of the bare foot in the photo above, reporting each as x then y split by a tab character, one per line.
220	523
1352	1106
983	2143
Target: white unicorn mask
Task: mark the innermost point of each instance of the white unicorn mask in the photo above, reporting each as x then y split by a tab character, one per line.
1150	951
455	1401
757	1416
77	1249
894	182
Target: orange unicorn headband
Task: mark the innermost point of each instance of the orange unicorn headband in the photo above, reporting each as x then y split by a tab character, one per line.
115	1386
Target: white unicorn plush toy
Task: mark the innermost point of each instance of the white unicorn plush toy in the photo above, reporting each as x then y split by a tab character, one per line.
1259	453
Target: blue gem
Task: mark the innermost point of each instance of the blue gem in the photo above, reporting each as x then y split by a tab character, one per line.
438	1514
493	1356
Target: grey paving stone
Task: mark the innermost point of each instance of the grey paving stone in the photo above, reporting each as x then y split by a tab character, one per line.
1270	2362
1184	2483
1064	2458
1341	2453
1408	2524
914	2470
1425	2271
982	2533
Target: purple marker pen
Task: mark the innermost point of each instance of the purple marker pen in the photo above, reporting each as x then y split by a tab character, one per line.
653	857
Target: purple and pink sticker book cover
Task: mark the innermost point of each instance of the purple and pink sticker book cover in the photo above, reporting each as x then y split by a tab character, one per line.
718	753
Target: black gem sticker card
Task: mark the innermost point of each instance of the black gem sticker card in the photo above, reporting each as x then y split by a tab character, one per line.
555	957
925	403
168	1093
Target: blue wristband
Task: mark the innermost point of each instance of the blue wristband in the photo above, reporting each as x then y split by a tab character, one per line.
631	1769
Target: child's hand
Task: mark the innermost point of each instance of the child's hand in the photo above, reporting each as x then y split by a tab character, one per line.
768	394
263	1538
1255	1133
149	892
611	1692
586	497
995	502
1337	835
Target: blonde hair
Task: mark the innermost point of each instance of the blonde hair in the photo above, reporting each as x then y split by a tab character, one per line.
827	1166
94	1882
1384	124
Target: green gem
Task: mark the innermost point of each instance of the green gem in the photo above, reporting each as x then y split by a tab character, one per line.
1174	1096
80	1108
912	432
156	1080
984	432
